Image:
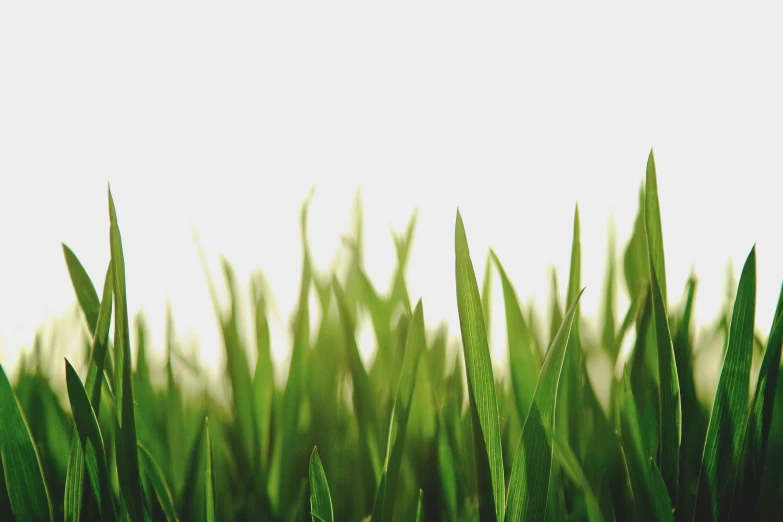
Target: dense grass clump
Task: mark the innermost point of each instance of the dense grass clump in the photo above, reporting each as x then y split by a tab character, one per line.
424	432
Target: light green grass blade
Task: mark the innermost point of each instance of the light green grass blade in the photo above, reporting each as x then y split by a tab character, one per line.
486	296
320	498
125	439
82	285
91	444
608	327
209	473
158	481
27	491
529	483
415	345
419	509
652	220
636	267
481	384
75	478
727	425
524	362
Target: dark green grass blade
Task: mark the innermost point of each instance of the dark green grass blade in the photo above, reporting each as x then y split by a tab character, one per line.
158	481
481	384
415	345
82	285
529	483
320	498
524	361
727	425
209	471
75	478
669	392
91	442
125	439
659	492
27	491
652	220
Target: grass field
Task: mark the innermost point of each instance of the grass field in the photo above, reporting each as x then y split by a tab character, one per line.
424	432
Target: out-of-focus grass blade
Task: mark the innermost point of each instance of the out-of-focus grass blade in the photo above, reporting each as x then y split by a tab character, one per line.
481	384
529	483
162	492
125	438
320	498
608	328
209	472
27	491
728	422
415	345
652	221
82	285
419	509
74	481
556	318
91	442
263	377
523	360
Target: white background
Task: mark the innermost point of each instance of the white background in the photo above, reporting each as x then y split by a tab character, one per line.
220	119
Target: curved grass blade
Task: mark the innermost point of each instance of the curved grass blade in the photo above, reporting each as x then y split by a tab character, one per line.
524	362
75	478
415	345
82	285
91	444
155	476
125	438
727	425
27	491
481	384
320	498
529	483
209	471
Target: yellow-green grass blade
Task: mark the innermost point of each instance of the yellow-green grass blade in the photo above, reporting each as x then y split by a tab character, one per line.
608	327
209	475
24	480
529	482
320	498
158	481
75	478
524	361
635	260
415	345
402	245
729	418
91	443
486	296
556	314
419	509
481	384
652	220
125	438
263	377
85	290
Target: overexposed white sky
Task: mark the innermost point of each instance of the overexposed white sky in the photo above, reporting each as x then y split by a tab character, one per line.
221	118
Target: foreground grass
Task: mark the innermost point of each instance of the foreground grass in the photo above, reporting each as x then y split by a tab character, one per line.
419	434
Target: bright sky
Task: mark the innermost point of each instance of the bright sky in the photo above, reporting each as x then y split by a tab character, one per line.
221	119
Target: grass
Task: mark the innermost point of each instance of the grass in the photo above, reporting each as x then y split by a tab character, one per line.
424	432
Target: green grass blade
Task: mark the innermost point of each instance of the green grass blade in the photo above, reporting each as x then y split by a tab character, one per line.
529	483
82	285
27	491
608	327
419	509
524	361
209	473
727	425
486	296
659	493
161	489
91	443
652	221
320	498
481	384
636	267
415	345
125	438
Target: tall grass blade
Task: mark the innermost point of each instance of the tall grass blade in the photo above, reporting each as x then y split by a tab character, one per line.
320	498
82	285
652	221
210	491
159	486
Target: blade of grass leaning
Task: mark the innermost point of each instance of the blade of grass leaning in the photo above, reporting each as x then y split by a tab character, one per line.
24	480
75	478
209	473
524	362
481	385
529	482
320	498
82	285
158	481
728	422
415	345
91	444
125	439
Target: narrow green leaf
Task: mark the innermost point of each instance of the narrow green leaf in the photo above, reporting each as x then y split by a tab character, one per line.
27	491
419	509
652	220
481	384
82	285
209	473
608	328
320	498
727	425
486	296
155	476
529	483
659	493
